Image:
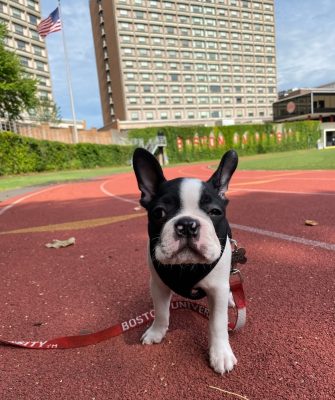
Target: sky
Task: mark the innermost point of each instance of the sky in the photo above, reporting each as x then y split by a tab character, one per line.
305	37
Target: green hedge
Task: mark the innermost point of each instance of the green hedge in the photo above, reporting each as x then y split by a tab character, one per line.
249	139
19	154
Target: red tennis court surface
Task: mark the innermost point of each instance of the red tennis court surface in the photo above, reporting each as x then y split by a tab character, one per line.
286	350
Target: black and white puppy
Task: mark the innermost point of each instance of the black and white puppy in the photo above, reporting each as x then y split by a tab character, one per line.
189	250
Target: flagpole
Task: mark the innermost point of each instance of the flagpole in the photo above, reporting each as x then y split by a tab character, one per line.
68	76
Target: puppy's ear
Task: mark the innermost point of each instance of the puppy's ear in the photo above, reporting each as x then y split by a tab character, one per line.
148	173
221	177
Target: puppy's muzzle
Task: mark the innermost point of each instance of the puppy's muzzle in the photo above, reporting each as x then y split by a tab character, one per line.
187	227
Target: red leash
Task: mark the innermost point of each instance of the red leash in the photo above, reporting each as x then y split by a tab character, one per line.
71	342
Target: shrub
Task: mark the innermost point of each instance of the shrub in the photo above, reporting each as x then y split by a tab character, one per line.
20	154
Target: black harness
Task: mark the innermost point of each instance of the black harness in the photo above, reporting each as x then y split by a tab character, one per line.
183	278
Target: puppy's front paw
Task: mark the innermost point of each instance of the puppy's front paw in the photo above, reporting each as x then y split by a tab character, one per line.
221	358
153	335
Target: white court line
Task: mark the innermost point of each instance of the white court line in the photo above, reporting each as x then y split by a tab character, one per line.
108	193
9	206
276	235
283	236
280	191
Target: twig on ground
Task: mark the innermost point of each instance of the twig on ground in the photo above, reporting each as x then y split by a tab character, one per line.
230	393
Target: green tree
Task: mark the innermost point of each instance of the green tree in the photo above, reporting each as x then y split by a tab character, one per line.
17	92
46	111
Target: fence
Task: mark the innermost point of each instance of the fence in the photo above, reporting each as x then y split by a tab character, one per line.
45	131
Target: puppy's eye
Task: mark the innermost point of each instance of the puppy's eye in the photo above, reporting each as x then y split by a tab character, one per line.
214	212
159	213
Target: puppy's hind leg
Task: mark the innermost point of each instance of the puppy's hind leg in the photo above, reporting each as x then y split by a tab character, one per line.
161	296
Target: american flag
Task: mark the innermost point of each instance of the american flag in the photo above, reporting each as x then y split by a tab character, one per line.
50	24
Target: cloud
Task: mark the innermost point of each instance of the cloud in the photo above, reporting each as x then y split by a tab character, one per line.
304	41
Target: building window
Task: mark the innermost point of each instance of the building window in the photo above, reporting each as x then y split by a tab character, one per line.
16	13
157	41
24	61
139	15
183	19
130	76
146	77
19	29
215	89
215	100
32	19
148	100
160	77
125	26
34	35
134	116
159	65
140	27
154	4
170	30
42	81
147	88
203	100
128	64
40	66
21	45
161	89
128	51
189	89
215	114
144	52
132	100
131	88
123	13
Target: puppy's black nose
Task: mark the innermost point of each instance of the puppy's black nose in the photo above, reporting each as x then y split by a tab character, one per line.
187	227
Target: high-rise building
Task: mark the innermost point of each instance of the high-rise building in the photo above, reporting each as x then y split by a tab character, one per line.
184	62
21	18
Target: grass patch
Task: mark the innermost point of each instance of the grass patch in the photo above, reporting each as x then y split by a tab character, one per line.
291	160
45	178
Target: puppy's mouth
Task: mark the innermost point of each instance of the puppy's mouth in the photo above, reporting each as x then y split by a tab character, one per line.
189	245
188	252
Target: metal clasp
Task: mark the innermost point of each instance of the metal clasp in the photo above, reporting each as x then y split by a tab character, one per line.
233	242
236	272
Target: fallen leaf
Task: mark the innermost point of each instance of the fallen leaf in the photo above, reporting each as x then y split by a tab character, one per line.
56	244
310	222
